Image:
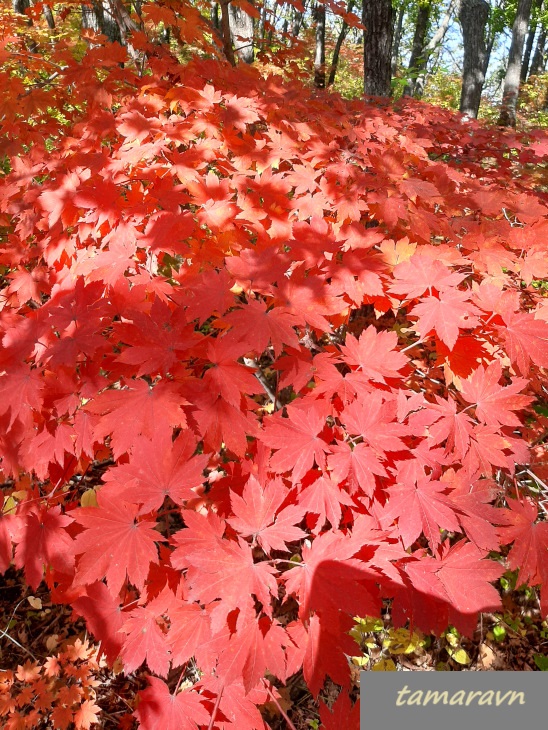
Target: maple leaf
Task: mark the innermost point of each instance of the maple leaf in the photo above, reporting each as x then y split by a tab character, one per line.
155	341
474	512
297	369
158	468
86	715
189	632
135	411
159	708
357	276
258	327
229	572
168	231
308	300
420	507
446	315
257	514
114	545
420	274
103	618
144	638
359	465
529	551
466	577
526	340
219	422
372	421
325	655
461	578
203	533
298	440
341	714
329	581
43	541
494	403
373	356
244	656
447	424
7	525
226	377
324	498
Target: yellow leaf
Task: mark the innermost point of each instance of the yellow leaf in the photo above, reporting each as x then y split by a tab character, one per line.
89	498
460	656
385	665
35	602
10	505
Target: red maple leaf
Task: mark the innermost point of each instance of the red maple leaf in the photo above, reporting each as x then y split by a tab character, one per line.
342	714
145	641
494	403
103	617
324	497
114	545
421	507
259	327
158	708
446	314
526	340
257	514
359	465
423	273
43	541
134	411
373	356
229	573
158	468
372	420
297	439
529	553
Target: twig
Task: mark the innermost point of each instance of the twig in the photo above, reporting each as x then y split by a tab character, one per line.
217	703
262	380
14	641
280	708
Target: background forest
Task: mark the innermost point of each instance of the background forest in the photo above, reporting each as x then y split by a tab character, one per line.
274	340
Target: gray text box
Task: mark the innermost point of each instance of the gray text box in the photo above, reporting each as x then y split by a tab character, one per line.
453	700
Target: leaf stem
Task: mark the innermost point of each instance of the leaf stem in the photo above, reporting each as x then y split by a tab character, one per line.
280	708
217	703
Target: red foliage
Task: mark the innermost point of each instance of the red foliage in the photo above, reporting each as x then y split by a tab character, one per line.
301	328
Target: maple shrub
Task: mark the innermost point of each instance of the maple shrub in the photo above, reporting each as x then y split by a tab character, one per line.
301	337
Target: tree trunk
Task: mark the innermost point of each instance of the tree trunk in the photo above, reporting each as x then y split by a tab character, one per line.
319	55
19	6
297	23
539	59
338	46
473	18
434	43
214	14
241	28
225	33
377	47
100	18
398	30
537	4
510	93
417	62
262	20
48	15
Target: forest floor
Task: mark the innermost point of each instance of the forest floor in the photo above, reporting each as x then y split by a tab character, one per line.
32	628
